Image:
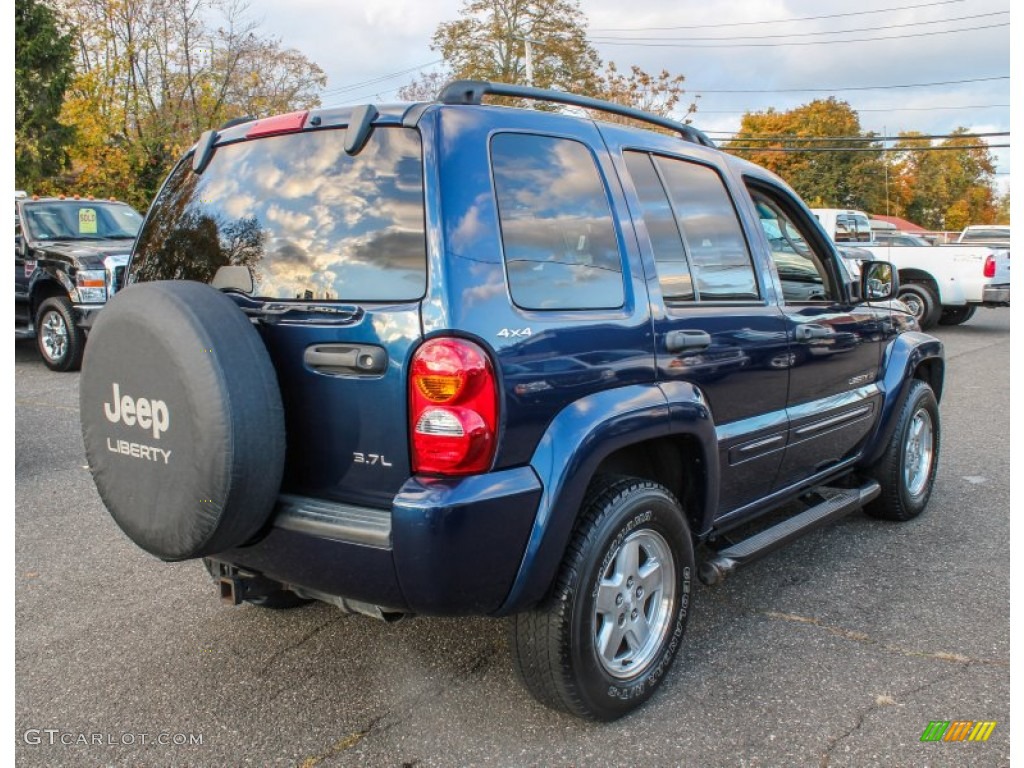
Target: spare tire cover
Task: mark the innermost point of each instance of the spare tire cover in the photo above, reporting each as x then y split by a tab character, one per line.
182	419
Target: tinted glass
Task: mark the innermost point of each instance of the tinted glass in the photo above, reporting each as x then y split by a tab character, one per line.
986	234
556	227
308	221
80	220
852	228
803	276
666	242
714	239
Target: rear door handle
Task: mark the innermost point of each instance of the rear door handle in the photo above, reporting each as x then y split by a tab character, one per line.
687	341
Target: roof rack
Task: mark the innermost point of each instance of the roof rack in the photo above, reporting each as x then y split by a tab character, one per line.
473	91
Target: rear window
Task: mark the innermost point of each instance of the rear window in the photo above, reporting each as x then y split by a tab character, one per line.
294	217
985	234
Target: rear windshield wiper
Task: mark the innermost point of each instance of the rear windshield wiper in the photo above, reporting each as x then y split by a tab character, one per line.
287	313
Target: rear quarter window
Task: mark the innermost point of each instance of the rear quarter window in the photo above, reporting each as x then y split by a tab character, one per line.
559	242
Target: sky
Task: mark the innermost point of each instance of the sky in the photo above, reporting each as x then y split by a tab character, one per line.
768	53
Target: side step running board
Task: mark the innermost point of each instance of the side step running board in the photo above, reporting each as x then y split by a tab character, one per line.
725	561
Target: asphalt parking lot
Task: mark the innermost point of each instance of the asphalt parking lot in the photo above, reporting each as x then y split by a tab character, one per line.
837	651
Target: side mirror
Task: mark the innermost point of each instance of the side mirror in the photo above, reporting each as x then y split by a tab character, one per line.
878	281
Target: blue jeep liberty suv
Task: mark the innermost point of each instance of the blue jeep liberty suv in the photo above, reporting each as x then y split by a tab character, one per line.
456	358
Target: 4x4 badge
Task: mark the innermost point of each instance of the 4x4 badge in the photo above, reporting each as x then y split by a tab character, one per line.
513	333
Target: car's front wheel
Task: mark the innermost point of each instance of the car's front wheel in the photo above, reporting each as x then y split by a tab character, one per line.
922	302
906	471
605	638
59	339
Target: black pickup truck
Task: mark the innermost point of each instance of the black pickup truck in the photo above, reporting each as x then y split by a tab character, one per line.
69	258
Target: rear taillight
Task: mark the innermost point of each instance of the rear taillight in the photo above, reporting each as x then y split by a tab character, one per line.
453	408
990	266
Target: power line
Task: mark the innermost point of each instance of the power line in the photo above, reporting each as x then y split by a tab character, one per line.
810	42
861	149
381	79
863	138
776	36
879	109
775	21
851	87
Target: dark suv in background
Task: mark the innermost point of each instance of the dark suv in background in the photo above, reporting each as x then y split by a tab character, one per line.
69	258
449	358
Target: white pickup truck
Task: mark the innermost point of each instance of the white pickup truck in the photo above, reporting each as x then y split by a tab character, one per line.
942	284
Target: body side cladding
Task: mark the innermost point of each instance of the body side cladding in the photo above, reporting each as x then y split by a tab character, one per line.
578	439
458	542
907	353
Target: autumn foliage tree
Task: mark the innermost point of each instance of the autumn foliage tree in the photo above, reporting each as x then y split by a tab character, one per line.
151	75
826	179
490	41
948	187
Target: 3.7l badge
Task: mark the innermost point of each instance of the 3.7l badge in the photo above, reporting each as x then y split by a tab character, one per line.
370	458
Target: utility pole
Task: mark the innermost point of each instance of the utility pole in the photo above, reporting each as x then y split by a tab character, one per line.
528	43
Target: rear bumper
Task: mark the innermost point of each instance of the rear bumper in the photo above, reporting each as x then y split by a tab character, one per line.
996	295
446	547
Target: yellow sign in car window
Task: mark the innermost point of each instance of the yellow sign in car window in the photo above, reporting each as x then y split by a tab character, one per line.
86	221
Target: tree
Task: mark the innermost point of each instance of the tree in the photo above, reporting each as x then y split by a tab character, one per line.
852	179
44	65
153	74
489	42
946	187
658	94
426	86
1003	208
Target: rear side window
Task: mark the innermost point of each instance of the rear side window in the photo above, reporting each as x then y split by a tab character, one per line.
559	242
712	234
699	249
295	217
666	240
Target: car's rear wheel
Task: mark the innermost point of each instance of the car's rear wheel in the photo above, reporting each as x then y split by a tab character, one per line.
956	315
58	337
603	641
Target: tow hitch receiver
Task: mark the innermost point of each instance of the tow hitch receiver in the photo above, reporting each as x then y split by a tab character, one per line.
236	586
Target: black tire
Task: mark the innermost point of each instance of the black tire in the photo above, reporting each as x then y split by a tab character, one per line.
920	298
59	339
906	470
957	315
556	648
188	453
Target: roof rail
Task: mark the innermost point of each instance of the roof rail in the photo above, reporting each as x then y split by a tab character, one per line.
473	91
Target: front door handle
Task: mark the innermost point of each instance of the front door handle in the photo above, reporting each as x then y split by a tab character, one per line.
687	341
812	331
